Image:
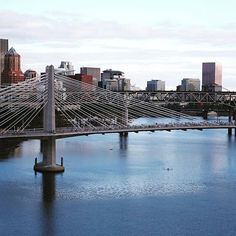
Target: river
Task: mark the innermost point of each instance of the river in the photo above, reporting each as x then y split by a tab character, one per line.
162	183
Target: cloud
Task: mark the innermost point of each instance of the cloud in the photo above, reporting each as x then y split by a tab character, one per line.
25	28
166	50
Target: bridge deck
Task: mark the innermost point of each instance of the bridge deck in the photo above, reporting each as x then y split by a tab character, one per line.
70	132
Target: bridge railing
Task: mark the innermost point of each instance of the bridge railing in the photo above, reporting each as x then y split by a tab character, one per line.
67	131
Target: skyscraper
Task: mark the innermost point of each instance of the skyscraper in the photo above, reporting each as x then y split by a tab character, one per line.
12	71
3	51
211	76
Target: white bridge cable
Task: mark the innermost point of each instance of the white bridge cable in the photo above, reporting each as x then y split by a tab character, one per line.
22	100
25	112
88	107
70	120
88	115
75	85
17	96
145	112
18	99
117	111
23	83
30	118
69	117
20	103
22	86
22	106
93	111
94	108
98	114
107	112
61	106
18	110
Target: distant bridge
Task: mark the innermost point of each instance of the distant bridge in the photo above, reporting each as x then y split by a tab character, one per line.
168	97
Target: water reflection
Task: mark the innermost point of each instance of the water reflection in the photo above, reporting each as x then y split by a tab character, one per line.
49	184
48	198
123	142
10	148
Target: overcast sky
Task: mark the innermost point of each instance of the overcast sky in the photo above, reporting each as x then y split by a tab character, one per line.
151	39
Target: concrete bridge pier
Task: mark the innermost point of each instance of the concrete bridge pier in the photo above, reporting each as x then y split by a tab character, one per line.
204	113
230	119
48	148
124	134
234	118
48	145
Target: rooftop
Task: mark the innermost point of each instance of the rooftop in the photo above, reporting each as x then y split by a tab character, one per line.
12	51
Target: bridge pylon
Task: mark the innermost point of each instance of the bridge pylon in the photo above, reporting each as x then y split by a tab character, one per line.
48	145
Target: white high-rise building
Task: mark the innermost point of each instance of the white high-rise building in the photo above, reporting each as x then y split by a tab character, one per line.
155	85
66	68
190	84
115	80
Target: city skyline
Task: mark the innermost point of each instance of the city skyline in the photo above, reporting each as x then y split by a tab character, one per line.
147	40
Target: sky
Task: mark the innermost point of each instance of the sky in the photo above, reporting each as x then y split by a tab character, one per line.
152	39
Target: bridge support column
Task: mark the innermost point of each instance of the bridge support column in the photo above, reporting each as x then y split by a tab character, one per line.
125	118
48	148
230	119
234	118
204	113
49	144
124	134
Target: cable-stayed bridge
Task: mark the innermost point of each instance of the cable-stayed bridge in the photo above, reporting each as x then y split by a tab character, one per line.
54	106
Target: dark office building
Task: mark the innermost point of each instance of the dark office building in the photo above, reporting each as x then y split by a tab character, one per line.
12	70
3	51
211	77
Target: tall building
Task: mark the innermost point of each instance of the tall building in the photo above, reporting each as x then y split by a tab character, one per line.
211	76
66	68
155	85
95	72
12	70
115	80
189	84
3	51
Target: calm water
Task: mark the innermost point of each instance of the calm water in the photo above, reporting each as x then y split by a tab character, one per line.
115	186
